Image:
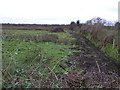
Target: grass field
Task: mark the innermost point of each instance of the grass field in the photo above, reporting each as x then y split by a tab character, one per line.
20	56
45	58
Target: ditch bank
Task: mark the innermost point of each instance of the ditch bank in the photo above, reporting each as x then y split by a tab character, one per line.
92	68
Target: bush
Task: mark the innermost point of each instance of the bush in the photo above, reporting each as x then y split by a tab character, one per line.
99	33
72	25
105	36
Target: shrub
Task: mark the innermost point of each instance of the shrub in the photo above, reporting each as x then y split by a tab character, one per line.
104	37
72	25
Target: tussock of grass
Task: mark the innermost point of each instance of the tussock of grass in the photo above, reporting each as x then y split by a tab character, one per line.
111	51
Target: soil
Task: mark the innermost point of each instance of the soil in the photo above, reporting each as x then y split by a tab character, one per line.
98	69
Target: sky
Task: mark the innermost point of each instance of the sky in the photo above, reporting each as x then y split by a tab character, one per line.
56	11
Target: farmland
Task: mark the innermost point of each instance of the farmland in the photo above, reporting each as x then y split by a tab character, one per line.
59	56
25	51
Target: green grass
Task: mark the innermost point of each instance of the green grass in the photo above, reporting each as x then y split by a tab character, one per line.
63	35
32	34
37	32
109	49
26	52
21	57
25	32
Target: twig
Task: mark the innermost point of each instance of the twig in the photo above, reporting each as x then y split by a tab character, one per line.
98	66
100	84
52	70
53	73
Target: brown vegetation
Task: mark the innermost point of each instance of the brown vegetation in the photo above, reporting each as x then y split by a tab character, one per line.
90	67
49	37
57	29
95	27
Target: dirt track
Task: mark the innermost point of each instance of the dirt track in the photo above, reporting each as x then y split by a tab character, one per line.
99	70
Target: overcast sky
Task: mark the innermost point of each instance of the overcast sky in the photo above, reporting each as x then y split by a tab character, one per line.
56	11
